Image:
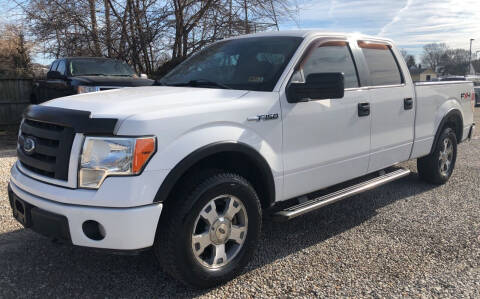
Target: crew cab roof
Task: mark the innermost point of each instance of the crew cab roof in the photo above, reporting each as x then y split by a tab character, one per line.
312	32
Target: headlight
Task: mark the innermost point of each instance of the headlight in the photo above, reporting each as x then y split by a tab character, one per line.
110	156
84	89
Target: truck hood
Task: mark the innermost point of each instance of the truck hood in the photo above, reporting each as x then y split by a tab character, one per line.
113	81
125	102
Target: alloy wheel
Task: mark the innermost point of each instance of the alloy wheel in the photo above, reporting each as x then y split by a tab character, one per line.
219	231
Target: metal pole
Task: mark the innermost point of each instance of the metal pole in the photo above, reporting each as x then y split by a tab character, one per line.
470	58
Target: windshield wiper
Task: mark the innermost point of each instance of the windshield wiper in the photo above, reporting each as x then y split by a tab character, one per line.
91	75
200	82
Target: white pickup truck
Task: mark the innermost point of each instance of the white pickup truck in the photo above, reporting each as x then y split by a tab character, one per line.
250	126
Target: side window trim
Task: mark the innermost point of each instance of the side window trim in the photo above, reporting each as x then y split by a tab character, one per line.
402	77
379	45
354	65
67	67
325	42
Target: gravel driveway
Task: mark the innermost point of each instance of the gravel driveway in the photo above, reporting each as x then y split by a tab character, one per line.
407	238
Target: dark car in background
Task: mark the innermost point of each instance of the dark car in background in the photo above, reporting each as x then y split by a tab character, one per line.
68	76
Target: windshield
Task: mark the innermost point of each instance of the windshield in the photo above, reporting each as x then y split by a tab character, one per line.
100	67
247	63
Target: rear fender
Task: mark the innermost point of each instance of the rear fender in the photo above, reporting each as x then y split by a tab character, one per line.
450	108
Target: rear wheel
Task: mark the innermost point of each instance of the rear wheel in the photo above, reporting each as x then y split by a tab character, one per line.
437	167
209	233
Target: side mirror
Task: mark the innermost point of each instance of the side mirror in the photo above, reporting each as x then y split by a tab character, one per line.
317	86
144	76
55	75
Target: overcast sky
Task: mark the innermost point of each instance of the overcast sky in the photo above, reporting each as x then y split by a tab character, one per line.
410	23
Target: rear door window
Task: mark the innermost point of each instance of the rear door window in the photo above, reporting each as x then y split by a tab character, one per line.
381	63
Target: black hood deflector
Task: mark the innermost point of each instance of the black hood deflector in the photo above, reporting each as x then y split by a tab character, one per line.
79	120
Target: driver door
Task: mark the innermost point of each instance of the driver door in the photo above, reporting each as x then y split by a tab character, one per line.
325	141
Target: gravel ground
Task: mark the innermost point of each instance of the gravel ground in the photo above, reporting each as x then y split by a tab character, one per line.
407	238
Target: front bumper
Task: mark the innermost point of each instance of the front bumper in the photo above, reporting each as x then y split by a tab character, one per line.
122	228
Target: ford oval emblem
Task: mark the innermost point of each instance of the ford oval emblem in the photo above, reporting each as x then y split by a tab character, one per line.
28	145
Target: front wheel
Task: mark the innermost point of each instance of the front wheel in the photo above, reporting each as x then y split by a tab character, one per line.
209	233
437	167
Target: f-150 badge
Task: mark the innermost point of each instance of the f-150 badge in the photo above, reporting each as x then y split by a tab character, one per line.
263	117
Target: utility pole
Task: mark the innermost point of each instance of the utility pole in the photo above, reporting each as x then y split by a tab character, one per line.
470	58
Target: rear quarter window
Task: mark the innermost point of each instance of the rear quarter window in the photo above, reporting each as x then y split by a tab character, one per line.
382	65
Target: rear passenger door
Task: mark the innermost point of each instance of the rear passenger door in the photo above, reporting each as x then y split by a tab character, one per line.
325	141
392	105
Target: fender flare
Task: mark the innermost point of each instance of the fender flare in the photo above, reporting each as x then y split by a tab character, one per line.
455	113
208	150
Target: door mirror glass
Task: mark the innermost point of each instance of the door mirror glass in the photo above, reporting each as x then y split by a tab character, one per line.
317	86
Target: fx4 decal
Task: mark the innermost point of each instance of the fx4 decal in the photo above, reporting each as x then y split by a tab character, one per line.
466	95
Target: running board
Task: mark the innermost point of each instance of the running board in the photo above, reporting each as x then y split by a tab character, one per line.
319	202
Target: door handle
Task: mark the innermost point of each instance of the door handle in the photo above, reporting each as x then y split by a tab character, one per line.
363	109
407	103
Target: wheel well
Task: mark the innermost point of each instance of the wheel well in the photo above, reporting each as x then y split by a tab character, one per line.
452	120
243	162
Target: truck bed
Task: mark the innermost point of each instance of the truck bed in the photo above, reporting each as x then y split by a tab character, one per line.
434	100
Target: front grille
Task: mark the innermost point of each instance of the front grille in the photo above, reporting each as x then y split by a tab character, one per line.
50	155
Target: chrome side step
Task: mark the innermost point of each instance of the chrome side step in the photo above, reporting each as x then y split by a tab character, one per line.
316	203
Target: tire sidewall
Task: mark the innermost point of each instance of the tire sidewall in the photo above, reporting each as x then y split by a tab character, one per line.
199	198
447	133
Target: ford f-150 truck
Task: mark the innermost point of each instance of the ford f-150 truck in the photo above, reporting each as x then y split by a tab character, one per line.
69	76
276	124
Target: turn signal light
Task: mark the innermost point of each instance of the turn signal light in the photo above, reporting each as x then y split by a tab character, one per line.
144	149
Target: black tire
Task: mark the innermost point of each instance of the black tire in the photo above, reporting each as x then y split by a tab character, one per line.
173	243
430	168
